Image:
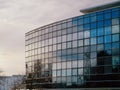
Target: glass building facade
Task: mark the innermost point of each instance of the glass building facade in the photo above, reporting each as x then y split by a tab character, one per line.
82	51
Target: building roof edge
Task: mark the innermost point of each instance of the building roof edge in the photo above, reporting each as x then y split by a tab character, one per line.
100	7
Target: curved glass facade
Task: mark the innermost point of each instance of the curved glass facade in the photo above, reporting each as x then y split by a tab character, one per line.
82	51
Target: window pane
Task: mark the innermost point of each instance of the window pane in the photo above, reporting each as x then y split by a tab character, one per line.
107	23
115	60
107	15
100	31
80	71
69	44
86	42
93	25
74	36
80	43
100	17
74	71
64	38
80	21
80	35
69	37
107	46
93	18
115	37
86	34
68	64
115	14
74	64
107	39
100	24
100	40
93	33
74	44
86	20
93	41
115	21
115	29
68	72
54	73
63	72
108	30
80	63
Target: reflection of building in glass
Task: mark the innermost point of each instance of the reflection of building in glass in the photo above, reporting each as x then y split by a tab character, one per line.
82	51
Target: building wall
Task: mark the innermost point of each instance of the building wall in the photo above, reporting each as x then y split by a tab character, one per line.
82	51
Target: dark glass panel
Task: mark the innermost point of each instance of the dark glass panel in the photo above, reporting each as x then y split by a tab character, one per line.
100	24
86	20
107	23
108	30
115	37
93	33
107	38
93	25
100	17
107	16
115	14
100	40
93	18
100	31
80	21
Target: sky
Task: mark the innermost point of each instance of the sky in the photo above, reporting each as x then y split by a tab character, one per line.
20	16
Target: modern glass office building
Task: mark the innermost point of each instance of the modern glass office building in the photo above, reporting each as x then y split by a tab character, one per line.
79	52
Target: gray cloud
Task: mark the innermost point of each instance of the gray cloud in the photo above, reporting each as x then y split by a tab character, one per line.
19	16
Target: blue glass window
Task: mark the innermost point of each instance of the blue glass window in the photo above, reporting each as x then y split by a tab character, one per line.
93	41
107	23
107	38
115	9
74	21
86	20
80	21
93	33
107	15
93	18
86	42
80	28
100	17
86	26
74	57
69	57
115	14
63	72
100	40
74	71
115	37
93	25
100	31
86	34
108	30
115	45
100	24
115	61
107	46
80	56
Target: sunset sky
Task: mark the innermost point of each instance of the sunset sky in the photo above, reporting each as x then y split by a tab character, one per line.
20	16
